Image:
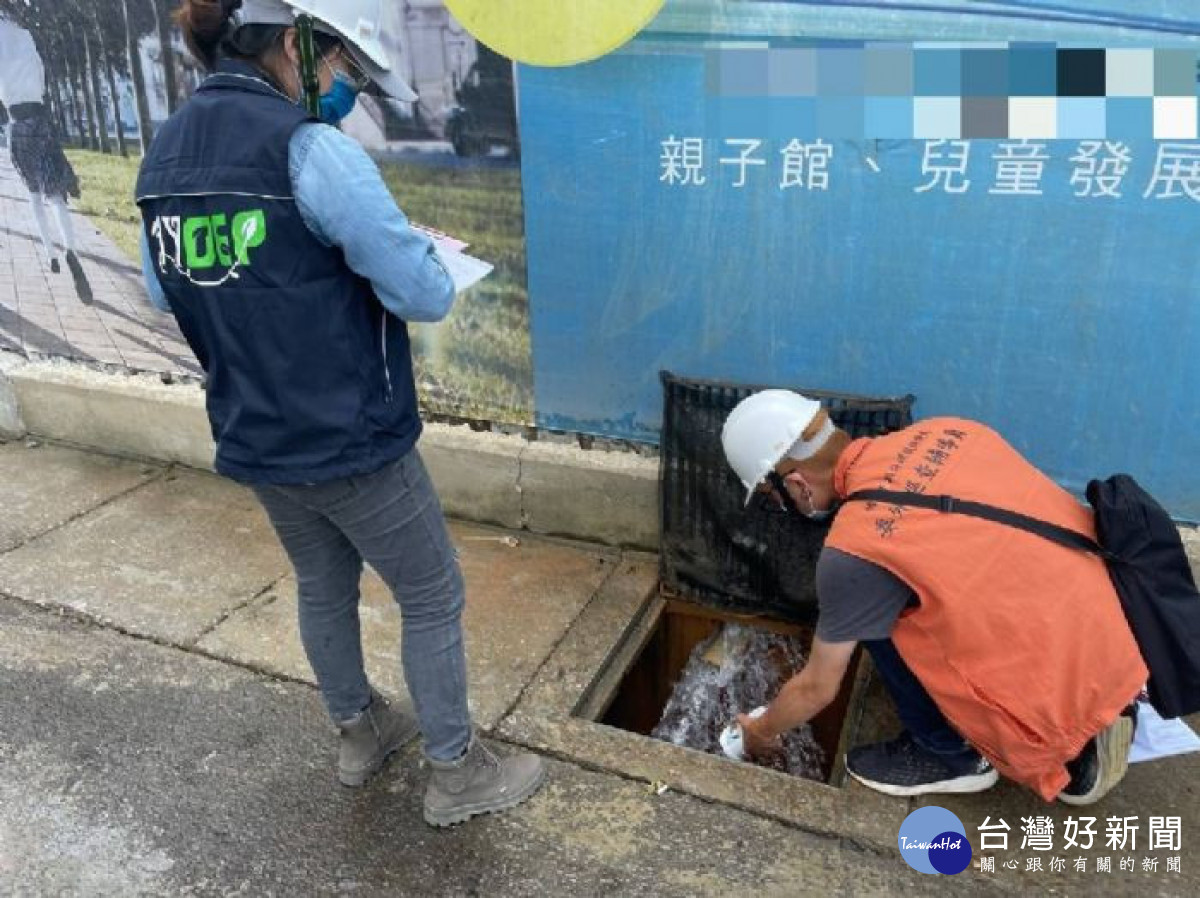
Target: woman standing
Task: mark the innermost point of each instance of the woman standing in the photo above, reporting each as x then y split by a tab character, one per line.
272	238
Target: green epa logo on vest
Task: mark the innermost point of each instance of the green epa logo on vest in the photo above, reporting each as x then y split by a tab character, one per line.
202	242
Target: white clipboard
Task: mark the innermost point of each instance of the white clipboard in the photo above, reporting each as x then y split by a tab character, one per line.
466	271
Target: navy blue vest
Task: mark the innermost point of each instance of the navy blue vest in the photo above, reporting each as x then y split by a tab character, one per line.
309	377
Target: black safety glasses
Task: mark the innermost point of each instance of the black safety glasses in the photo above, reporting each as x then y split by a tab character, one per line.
781	490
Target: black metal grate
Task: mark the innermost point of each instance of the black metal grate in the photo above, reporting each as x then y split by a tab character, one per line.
717	551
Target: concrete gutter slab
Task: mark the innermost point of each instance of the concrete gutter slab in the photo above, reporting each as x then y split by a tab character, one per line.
11	425
46	486
520	601
167	561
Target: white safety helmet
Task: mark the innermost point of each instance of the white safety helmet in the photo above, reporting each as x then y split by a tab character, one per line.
358	23
766	427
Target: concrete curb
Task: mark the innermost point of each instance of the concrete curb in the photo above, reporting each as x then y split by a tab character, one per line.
546	488
11	425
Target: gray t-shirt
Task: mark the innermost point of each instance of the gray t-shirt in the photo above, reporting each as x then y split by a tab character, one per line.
857	600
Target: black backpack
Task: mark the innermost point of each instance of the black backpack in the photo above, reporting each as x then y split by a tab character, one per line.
1146	562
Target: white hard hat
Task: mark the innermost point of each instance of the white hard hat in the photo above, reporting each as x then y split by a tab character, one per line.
766	427
358	23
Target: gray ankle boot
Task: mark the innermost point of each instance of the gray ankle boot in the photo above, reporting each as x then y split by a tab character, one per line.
480	783
370	737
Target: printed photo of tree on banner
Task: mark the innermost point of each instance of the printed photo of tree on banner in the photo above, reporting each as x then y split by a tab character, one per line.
103	75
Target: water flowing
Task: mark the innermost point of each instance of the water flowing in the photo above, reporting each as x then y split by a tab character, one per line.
734	671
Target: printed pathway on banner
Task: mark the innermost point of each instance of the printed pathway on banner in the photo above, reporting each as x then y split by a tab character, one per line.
41	315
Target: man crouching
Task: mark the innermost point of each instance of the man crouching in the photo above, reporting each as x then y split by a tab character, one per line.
1004	652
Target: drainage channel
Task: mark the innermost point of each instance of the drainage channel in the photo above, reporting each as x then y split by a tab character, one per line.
633	692
606	682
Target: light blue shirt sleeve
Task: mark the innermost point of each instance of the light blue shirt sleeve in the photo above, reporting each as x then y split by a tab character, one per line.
343	200
150	276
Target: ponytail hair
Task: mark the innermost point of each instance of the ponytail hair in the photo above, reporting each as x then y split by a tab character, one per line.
209	36
205	24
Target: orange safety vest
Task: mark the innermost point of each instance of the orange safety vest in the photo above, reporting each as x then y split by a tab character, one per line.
1021	643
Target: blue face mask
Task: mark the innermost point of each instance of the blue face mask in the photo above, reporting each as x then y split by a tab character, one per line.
339	102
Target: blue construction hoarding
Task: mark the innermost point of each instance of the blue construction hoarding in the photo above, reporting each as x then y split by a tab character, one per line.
1049	288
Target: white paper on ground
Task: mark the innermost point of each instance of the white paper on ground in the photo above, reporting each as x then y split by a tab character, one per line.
1158	738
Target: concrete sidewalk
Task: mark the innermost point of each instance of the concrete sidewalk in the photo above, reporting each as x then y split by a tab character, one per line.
41	315
160	733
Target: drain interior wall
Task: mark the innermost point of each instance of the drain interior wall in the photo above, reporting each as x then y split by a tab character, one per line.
638	703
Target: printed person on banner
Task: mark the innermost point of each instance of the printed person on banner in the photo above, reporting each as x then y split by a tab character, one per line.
36	150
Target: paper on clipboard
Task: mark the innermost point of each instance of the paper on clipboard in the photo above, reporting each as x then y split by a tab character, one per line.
440	239
466	271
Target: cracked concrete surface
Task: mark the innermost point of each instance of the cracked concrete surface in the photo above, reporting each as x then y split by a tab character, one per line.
164	773
159	733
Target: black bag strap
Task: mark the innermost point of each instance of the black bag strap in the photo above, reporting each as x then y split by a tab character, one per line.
1064	536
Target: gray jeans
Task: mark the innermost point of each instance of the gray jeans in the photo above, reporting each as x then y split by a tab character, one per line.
393	520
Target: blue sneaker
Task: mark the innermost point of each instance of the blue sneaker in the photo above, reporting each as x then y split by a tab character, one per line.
902	767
